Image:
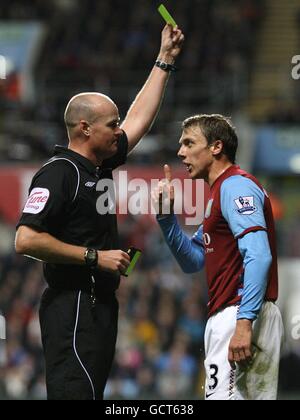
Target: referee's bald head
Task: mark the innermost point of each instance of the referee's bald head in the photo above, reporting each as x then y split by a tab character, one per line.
85	107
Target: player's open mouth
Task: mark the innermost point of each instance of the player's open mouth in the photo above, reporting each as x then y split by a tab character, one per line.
189	167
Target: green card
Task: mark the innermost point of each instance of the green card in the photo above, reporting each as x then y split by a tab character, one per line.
166	15
134	254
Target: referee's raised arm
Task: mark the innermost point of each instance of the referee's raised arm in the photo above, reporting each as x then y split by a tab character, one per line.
145	107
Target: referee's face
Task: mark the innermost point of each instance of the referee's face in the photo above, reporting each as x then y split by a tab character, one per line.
105	131
195	153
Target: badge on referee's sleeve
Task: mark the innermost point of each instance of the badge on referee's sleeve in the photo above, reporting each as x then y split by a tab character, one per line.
37	200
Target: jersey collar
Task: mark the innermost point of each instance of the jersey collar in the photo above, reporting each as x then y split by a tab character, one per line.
226	174
76	156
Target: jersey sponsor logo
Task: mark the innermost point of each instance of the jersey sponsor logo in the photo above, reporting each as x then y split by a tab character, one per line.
206	239
208	208
37	200
207	242
245	205
90	184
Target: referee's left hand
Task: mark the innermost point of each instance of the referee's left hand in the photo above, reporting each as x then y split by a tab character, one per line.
240	344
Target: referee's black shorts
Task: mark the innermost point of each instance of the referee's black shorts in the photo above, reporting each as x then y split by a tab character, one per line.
79	343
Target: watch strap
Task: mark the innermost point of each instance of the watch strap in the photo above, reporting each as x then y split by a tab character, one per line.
165	66
91	257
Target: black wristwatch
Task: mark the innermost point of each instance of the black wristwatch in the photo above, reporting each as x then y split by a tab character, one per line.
91	257
165	66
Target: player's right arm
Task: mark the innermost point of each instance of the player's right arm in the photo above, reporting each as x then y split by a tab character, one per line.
188	252
52	189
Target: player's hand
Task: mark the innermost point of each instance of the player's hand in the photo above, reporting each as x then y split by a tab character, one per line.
240	344
171	44
163	196
115	261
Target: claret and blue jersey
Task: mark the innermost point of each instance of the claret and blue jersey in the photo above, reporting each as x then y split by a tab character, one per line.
235	243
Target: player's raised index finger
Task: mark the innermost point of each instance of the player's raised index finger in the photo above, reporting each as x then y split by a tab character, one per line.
168	173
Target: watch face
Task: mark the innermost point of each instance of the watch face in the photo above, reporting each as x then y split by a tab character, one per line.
91	257
162	65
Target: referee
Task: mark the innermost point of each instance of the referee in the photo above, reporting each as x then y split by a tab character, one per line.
79	247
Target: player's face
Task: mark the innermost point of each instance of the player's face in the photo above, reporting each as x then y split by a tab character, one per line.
105	132
195	153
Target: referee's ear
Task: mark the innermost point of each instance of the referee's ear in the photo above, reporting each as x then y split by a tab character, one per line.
85	128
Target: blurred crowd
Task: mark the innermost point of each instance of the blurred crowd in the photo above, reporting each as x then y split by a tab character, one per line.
110	46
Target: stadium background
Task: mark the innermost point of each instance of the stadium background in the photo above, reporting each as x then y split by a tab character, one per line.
237	60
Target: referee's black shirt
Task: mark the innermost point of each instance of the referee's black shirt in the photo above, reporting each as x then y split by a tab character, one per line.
62	201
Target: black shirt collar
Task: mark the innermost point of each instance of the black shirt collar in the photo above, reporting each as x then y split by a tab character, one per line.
84	161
